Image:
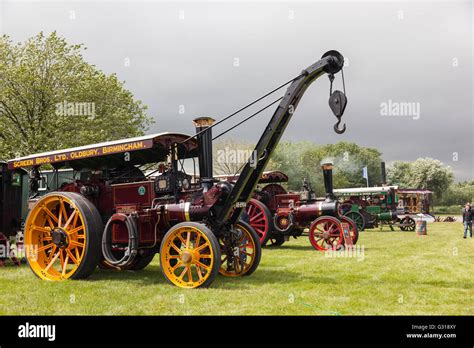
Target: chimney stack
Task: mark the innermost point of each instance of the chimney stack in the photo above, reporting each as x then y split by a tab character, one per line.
327	173
204	139
383	173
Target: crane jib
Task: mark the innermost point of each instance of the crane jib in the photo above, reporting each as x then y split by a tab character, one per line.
231	208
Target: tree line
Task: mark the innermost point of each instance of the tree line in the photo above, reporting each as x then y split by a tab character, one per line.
303	159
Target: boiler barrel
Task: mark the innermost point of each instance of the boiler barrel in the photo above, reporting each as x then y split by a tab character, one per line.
309	212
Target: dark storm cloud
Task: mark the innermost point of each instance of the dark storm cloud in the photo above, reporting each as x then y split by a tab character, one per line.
185	55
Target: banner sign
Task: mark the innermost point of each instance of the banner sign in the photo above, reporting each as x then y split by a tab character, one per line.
80	154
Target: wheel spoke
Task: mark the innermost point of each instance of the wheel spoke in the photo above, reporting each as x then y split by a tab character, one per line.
184	272
250	210
62	209
72	256
61	258
256	216
176	248
60	217
75	230
198	239
200	264
52	261
50	223
202	246
188	239
66	225
51	253
74	223
41	229
317	228
175	267
190	274
181	239
76	244
199	272
51	215
44	247
65	264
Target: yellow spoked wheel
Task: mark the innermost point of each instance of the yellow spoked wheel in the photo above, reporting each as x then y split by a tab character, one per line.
62	237
190	255
240	252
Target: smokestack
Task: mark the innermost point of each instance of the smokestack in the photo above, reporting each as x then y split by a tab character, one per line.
204	139
383	173
327	173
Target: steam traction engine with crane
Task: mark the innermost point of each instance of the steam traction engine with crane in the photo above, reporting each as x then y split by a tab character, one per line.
196	228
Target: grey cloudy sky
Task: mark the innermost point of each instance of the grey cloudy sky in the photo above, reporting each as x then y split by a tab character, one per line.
183	53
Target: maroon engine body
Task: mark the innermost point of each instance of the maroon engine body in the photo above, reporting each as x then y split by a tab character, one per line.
153	209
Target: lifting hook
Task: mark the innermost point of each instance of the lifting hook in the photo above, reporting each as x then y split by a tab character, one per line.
337	103
336	126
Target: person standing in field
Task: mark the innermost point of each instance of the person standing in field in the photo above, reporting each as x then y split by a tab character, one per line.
467	219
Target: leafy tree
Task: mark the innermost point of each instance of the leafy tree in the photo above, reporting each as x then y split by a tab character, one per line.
289	157
51	98
400	174
424	173
303	160
428	173
458	194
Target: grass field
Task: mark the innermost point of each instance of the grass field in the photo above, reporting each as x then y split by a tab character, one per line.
395	273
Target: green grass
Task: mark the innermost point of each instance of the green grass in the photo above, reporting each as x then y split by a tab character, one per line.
400	273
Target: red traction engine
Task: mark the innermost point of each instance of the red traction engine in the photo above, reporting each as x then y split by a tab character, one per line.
115	216
294	212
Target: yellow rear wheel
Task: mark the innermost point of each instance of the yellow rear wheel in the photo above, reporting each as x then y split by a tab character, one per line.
242	255
190	255
62	237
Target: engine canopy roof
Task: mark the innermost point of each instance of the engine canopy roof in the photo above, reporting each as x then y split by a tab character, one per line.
112	154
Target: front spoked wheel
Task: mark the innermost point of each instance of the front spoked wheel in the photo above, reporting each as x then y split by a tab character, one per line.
325	233
190	255
240	251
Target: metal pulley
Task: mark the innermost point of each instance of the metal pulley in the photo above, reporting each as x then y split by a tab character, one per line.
337	103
